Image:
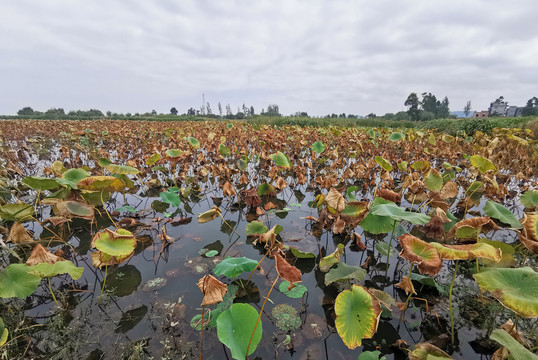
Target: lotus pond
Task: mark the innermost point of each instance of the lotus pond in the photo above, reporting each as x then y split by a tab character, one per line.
221	240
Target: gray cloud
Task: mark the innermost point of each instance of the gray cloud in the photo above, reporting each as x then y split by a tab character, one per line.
317	56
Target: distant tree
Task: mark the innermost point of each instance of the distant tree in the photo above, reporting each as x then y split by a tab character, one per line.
229	111
173	111
467	108
430	103
109	113
531	108
239	115
251	110
443	112
402	116
351	116
272	110
55	111
220	109
128	114
388	116
26	111
412	104
153	112
334	116
191	112
208	109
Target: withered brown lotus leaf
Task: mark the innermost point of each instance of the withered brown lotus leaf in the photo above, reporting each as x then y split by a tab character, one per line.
449	190
212	289
251	198
358	242
406	285
280	183
420	252
18	234
40	254
482	224
339	226
285	270
528	235
335	200
57	220
268	206
435	227
389	195
227	189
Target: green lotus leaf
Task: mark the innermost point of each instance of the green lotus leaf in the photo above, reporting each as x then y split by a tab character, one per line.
468	252
173	153
127	208
101	183
475	190
242	164
232	267
328	261
301	255
75	209
318	147
72	176
235	327
433	180
355	208
122	169
193	142
385	164
507	250
349	193
375	224
45	269
119	243
421	165
104	162
357	315
153	159
229	126
17	281
517	351
530	199
40	183
499	212
295	293
482	164
256	228
16	212
280	159
371	355
170	198
342	272
397	213
429	281
224	150
427	351
516	289
4	333
384	248
402	165
396	136
266	189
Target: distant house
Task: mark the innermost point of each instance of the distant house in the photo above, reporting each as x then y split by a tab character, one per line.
461	114
481	114
500	108
514	111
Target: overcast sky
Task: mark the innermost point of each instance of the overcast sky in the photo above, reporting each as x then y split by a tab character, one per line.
321	57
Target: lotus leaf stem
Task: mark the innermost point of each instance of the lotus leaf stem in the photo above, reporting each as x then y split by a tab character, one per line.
228	225
260	314
52	293
450	301
390	247
259	262
409	295
202	333
104	282
104	207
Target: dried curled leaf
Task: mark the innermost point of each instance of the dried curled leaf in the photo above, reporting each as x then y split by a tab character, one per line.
40	254
285	270
212	289
529	234
335	200
482	224
420	252
18	234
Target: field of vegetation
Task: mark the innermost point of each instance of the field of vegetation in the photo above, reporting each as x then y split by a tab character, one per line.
267	239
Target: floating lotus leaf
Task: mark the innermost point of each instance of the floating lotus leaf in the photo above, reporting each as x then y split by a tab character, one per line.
357	315
40	254
209	215
280	159
295	292
335	200
375	224
427	351
529	234
433	180
40	183
16	212
170	198
153	159
17	281
530	199
422	253
120	243
328	261
70	208
72	176
224	150
517	351
173	153
212	289
398	213
301	255
516	289
61	267
482	164
122	169
342	272
101	183
233	267
468	252
499	212
255	228
287	317
19	235
193	142
235	327
385	164
318	147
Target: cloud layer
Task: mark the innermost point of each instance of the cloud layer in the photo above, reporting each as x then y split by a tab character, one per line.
316	56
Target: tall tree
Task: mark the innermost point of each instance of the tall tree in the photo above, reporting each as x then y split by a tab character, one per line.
220	109
444	111
251	110
208	109
467	108
430	103
272	110
173	111
26	111
412	104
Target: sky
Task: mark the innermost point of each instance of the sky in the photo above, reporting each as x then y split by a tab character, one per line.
353	57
